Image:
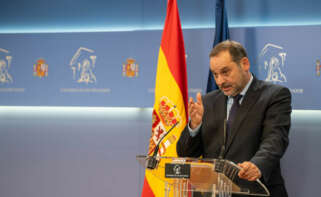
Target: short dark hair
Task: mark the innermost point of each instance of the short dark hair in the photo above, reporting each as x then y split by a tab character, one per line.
235	49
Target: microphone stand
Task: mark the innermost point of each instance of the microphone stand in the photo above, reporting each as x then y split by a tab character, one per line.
152	161
220	162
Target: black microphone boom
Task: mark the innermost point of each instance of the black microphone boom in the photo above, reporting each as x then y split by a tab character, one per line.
152	161
224	142
219	165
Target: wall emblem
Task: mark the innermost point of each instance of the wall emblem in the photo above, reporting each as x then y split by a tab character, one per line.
318	67
40	69
5	64
130	68
82	65
167	118
273	58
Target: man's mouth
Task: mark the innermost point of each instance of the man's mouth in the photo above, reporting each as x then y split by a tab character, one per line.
226	88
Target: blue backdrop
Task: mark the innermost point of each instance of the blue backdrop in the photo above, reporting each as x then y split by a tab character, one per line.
67	152
118	68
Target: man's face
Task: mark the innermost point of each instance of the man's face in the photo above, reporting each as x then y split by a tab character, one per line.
230	77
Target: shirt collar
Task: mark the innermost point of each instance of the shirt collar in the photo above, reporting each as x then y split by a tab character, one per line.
247	86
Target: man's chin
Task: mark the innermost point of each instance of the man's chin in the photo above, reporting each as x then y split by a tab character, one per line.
227	93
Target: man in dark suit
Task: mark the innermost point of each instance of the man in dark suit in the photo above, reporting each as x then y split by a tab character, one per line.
258	118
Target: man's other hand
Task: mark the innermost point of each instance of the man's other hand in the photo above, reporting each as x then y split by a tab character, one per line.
249	171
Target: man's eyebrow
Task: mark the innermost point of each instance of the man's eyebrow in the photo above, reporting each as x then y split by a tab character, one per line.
224	68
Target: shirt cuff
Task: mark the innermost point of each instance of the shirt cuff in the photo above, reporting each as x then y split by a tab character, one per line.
194	132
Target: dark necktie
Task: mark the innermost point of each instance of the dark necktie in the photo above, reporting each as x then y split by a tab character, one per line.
233	110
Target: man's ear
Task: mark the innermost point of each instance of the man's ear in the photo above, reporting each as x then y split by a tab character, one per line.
245	63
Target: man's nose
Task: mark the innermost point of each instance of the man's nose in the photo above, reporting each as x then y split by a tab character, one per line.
219	80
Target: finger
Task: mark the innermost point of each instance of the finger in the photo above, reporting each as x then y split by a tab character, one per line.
191	101
246	176
199	98
240	174
195	115
194	107
252	177
190	104
245	166
253	172
249	174
244	169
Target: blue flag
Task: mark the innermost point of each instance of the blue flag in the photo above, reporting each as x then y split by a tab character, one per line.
221	34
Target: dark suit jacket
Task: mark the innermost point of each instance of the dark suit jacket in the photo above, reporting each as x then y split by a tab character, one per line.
259	132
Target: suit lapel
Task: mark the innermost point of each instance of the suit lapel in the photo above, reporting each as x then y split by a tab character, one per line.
249	100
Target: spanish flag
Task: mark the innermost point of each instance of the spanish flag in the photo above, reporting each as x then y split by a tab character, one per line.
170	105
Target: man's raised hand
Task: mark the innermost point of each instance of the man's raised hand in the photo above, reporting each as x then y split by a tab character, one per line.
195	111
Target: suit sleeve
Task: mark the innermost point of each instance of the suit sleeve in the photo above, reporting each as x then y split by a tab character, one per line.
275	131
188	146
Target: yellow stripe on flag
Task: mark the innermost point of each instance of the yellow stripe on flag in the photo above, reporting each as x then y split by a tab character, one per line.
167	86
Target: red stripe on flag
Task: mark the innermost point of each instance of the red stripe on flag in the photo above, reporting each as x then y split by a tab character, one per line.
173	46
147	191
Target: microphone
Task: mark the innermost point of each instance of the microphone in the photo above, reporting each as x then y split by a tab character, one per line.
220	163
224	141
152	161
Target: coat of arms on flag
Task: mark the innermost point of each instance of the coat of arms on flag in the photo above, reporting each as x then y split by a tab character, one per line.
167	118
